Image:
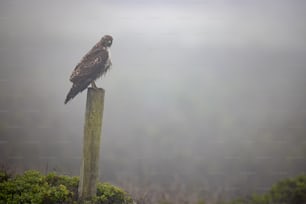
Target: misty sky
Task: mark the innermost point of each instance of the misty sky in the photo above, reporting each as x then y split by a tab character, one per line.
186	76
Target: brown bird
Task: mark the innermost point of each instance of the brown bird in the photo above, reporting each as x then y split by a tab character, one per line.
93	65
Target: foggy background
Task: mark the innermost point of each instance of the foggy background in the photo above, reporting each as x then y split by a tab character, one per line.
205	98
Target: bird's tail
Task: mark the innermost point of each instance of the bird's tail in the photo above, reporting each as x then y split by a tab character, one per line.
75	89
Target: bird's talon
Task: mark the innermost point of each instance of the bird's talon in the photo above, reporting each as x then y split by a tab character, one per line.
93	85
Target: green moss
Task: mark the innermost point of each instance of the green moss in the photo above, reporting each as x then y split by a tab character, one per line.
33	187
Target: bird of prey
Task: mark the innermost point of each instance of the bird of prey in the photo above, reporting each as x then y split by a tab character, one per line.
93	65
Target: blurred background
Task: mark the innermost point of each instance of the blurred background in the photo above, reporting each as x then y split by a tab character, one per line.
205	99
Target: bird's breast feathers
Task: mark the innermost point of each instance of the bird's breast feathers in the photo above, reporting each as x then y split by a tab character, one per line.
109	60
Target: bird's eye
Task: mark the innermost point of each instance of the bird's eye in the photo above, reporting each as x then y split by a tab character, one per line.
109	41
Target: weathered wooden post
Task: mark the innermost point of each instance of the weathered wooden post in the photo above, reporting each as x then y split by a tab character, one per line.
91	144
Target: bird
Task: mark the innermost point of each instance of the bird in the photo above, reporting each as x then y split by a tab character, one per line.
92	66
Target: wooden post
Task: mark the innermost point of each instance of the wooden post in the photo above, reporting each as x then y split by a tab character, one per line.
91	144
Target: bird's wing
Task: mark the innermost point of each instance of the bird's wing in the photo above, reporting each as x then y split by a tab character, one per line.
91	66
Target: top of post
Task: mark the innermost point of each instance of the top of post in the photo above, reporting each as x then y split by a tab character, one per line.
96	89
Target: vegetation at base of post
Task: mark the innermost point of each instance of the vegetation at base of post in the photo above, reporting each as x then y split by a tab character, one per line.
33	187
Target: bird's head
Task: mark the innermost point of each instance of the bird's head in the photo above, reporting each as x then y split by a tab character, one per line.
107	40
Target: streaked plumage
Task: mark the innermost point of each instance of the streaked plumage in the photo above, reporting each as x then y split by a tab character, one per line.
93	65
